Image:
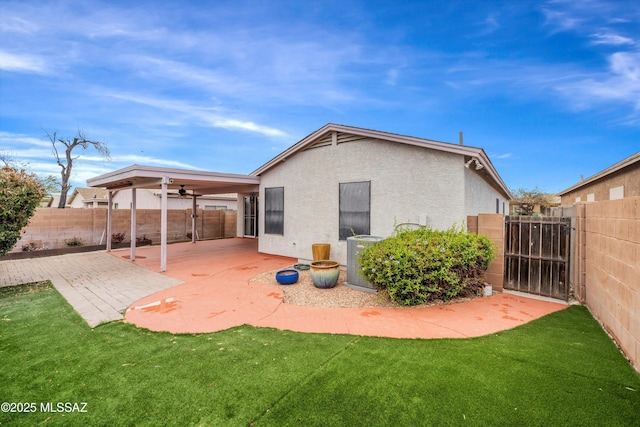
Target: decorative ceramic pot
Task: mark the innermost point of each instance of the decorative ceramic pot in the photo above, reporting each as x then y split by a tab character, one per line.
287	277
321	251
324	274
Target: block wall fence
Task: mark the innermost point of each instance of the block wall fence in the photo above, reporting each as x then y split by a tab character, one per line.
607	262
492	226
49	228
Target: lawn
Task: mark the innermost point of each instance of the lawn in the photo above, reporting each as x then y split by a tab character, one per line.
559	370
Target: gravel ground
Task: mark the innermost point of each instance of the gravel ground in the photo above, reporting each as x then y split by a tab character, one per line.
304	293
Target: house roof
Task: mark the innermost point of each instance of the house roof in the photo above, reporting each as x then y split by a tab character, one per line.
88	193
490	173
631	160
136	176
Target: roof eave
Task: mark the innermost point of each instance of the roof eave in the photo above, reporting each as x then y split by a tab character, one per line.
464	150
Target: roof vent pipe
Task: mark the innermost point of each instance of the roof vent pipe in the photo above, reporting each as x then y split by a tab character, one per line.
461	138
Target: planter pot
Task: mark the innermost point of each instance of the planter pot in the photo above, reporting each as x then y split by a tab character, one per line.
324	274
487	291
321	251
287	277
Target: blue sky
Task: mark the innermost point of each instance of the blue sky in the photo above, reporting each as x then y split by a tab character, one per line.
550	89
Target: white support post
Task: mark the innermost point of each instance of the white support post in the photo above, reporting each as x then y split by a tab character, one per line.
193	218
133	225
163	225
109	217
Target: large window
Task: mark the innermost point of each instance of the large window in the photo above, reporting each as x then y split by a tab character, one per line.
274	210
355	207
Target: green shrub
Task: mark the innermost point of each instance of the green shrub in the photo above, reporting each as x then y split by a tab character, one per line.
74	241
416	266
20	193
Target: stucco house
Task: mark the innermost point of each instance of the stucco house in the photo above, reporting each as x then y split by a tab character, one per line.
84	198
615	182
334	183
342	180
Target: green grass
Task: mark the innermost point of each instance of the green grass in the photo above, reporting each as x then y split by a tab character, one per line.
559	370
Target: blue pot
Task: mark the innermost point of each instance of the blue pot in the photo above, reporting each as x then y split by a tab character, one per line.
287	277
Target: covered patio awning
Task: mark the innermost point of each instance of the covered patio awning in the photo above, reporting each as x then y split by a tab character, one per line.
165	179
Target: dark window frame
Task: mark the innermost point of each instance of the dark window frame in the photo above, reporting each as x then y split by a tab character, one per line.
354	219
274	210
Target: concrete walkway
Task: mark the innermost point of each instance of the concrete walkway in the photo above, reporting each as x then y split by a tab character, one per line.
217	294
99	286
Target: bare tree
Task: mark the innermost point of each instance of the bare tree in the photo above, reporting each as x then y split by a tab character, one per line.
66	163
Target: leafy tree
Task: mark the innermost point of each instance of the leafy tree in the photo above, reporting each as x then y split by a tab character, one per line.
51	184
66	162
20	193
526	200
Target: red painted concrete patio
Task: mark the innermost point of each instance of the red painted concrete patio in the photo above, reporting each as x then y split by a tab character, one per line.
217	295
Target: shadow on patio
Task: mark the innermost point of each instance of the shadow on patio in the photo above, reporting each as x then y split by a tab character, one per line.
217	295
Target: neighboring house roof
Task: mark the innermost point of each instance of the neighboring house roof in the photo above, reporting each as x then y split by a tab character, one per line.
633	159
88	193
323	137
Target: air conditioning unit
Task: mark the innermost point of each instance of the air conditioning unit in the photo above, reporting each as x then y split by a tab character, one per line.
355	245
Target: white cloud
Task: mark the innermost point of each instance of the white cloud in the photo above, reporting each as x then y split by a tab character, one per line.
119	161
232	124
611	39
392	77
581	17
490	25
560	21
621	83
22	63
204	115
13	24
17	138
182	73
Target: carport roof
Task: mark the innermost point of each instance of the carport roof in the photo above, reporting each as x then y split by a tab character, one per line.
137	176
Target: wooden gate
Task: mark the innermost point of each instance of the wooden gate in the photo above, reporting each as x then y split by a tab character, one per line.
537	255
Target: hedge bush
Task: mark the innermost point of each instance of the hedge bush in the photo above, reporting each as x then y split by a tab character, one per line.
417	266
20	193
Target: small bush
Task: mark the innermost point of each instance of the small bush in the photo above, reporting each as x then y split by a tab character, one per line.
32	246
20	193
117	237
74	241
416	266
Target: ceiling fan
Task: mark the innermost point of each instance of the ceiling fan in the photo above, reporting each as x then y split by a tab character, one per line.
182	193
